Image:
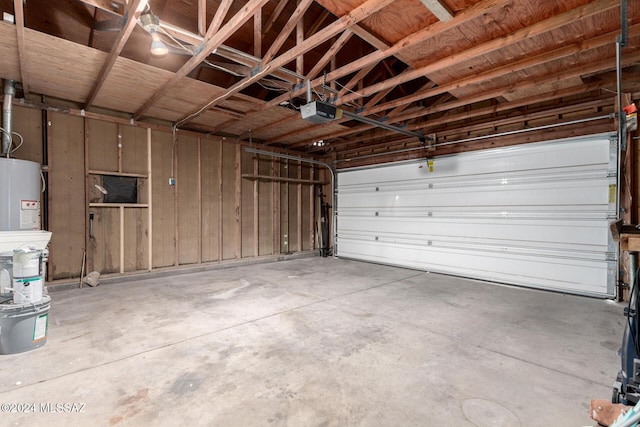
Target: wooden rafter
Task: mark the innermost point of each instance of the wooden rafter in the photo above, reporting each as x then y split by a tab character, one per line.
211	43
313	28
116	7
330	53
288	27
375	99
355	79
299	40
133	13
471	13
545	26
439	9
365	35
282	122
19	11
218	18
563	52
484	96
446	119
275	15
473	114
355	16
202	17
257	34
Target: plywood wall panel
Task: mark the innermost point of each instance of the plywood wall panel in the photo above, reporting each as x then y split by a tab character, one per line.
247	206
293	207
103	253
306	224
66	195
265	209
103	145
210	168
284	208
163	200
134	149
28	123
230	213
188	200
136	233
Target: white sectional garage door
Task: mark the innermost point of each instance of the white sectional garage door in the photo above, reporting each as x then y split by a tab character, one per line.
535	215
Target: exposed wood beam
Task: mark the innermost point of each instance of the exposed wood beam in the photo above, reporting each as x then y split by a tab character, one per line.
116	7
202	17
299	40
439	9
359	13
19	11
347	21
257	34
275	15
471	13
296	16
377	98
563	52
593	104
276	124
574	72
252	61
330	53
426	126
205	49
217	20
541	27
133	13
317	23
355	79
365	35
400	108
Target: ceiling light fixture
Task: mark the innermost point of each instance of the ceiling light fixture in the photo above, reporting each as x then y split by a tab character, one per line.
158	48
151	24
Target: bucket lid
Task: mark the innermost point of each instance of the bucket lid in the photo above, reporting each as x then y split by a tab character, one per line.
9	306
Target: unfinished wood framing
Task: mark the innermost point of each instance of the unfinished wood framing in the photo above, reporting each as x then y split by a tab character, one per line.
19	18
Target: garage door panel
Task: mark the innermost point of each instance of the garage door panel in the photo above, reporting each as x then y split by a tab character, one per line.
505	232
517	161
584	276
540	221
578	192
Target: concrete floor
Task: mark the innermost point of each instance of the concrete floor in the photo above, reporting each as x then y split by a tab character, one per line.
316	341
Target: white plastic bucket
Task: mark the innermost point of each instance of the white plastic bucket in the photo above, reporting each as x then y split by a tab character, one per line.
6	270
27	290
26	262
23	327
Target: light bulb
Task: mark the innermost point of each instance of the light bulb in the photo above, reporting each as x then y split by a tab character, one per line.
158	48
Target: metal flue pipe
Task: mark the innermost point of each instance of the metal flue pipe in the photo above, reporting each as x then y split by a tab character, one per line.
9	93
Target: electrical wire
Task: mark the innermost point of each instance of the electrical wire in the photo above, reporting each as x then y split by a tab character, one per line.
10	134
19	145
347	89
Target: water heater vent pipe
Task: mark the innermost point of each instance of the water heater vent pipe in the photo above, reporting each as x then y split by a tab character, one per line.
9	93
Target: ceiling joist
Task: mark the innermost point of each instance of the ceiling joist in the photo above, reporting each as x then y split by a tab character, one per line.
19	11
545	26
133	13
439	9
209	45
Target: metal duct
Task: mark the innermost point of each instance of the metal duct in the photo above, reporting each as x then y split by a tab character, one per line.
9	93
